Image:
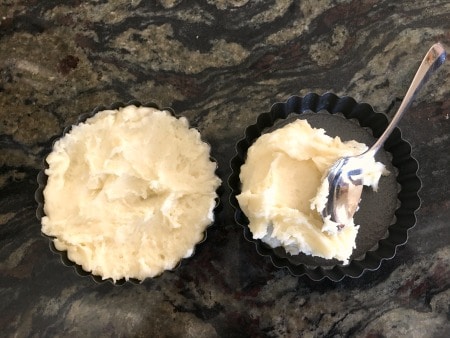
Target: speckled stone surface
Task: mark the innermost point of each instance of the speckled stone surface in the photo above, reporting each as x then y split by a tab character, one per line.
220	64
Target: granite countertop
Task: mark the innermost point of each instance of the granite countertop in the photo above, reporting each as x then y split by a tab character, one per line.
220	64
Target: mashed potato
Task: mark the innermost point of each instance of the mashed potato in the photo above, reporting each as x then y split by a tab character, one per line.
129	192
283	195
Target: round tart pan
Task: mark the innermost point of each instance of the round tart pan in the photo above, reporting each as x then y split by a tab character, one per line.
42	181
384	216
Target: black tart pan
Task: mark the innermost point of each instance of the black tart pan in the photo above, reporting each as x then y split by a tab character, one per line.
384	216
42	181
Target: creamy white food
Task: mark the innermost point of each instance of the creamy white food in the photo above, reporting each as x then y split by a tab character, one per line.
129	192
282	192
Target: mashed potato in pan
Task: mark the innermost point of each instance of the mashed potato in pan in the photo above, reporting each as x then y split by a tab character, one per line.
282	192
129	192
